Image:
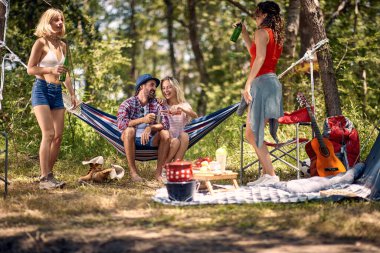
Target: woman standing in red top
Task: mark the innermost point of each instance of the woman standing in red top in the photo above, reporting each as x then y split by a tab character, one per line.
263	91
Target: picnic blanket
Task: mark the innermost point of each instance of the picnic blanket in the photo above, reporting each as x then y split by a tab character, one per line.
260	194
308	189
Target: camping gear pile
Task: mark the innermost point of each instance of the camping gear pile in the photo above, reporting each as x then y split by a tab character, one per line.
344	137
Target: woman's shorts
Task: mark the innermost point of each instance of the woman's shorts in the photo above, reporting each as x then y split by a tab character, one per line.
44	93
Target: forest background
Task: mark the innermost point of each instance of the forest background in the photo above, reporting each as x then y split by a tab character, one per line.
114	41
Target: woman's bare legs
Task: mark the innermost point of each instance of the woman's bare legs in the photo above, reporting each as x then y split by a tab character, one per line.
58	122
45	121
262	152
184	143
174	146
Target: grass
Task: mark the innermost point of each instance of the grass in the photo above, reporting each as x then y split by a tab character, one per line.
122	217
107	213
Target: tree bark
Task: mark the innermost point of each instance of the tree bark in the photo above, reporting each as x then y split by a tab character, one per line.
240	7
169	22
306	36
365	92
362	71
193	23
2	21
331	94
291	29
133	34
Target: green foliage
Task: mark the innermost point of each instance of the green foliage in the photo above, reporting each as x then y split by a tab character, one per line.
102	43
355	46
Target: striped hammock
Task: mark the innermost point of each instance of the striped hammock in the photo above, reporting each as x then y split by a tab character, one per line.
105	124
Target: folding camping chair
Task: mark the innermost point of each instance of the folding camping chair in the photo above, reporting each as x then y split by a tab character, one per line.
5	151
278	151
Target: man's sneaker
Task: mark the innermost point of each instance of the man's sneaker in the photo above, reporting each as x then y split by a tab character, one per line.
242	106
46	184
269	180
258	181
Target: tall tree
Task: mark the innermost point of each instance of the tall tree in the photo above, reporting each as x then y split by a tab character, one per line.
200	62
2	20
332	101
363	73
306	36
169	23
291	28
133	36
241	7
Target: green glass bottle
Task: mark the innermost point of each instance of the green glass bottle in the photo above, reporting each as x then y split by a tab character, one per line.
239	27
62	77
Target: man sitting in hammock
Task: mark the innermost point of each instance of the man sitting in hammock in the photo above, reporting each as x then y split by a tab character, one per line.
136	118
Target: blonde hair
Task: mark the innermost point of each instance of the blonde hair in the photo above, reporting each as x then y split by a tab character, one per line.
175	84
43	28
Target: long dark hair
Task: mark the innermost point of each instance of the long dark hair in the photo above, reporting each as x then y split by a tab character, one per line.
273	19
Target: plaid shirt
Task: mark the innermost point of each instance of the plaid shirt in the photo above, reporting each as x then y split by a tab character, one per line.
130	109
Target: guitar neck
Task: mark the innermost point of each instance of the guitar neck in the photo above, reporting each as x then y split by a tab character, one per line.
318	134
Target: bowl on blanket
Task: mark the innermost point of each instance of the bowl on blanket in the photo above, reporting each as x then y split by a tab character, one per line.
181	191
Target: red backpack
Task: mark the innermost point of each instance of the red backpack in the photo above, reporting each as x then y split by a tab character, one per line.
345	138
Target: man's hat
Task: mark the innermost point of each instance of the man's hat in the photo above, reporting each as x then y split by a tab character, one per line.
145	78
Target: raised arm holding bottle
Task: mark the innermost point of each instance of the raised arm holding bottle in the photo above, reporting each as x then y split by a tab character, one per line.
262	90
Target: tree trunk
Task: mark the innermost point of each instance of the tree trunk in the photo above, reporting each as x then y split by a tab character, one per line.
291	29
241	7
2	21
169	22
201	105
306	36
365	92
362	71
133	36
324	58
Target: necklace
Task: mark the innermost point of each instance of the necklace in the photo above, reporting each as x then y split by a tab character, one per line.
54	39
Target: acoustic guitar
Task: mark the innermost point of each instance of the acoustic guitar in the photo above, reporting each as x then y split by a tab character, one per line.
320	150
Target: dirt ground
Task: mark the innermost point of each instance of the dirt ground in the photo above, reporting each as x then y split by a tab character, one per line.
122	217
131	239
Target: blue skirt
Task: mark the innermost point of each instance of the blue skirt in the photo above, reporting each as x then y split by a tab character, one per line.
266	92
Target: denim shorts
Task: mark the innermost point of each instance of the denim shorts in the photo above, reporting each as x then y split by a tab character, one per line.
147	145
44	93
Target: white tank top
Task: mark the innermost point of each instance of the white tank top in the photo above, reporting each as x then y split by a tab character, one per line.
51	60
178	121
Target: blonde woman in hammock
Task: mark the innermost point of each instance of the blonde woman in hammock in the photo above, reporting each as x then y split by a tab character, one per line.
180	113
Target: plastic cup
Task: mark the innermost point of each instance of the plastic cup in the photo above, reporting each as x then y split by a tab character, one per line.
222	160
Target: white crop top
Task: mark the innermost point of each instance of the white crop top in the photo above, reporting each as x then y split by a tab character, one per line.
50	60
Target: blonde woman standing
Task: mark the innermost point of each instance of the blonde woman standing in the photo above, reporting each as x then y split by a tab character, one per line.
180	113
46	64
